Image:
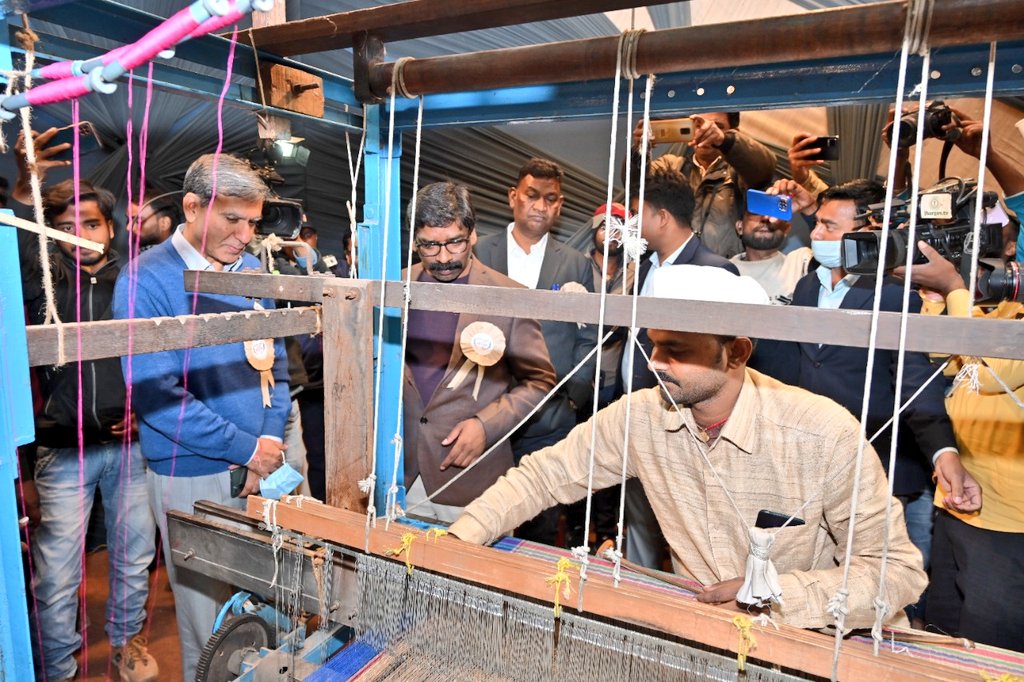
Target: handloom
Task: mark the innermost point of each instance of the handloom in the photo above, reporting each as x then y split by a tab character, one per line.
468	612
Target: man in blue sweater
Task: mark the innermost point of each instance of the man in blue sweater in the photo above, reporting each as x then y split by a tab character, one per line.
202	411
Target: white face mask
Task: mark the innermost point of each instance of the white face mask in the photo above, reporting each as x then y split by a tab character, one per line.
828	253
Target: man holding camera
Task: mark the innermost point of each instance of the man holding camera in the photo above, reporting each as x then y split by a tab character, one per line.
720	163
926	445
205	410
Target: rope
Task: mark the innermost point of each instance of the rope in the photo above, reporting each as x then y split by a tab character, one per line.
398	80
27	39
629	42
972	285
582	552
392	505
881	610
277	537
635	256
919	23
350	205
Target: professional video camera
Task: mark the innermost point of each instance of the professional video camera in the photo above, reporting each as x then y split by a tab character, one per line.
281	217
946	223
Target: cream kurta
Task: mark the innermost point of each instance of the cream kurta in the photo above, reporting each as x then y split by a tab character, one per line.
781	447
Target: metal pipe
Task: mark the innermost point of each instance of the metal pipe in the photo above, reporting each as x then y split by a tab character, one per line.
848	31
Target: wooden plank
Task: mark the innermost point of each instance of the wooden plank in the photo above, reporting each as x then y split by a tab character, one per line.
419	19
304	288
789	647
926	333
113	338
292	89
348	390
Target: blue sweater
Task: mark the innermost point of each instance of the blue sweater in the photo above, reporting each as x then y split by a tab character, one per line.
201	426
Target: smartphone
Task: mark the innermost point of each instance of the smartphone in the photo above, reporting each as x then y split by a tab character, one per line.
238	476
772	205
829	146
672	130
88	140
770	519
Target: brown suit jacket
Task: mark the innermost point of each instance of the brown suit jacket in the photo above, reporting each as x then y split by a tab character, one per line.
510	389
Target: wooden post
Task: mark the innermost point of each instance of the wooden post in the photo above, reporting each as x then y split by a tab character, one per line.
348	389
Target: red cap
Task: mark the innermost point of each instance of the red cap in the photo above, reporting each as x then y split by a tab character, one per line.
618	210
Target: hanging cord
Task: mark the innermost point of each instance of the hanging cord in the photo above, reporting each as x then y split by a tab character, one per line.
529	415
393	509
350	205
369	484
837	605
27	39
582	552
972	284
629	43
398	79
879	602
634	254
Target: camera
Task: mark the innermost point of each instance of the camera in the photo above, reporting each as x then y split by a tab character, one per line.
281	217
946	223
936	115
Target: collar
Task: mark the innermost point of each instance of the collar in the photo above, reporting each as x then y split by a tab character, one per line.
656	262
193	259
738	430
825	278
536	251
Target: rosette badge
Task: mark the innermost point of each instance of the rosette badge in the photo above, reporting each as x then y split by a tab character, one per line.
483	344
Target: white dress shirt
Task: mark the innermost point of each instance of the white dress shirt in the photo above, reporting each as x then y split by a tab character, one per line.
525	267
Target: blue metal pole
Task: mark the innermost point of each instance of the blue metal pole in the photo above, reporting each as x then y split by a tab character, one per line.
16	428
371	250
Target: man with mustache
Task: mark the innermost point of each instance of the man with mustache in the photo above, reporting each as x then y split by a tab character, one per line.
715	446
469	379
762	237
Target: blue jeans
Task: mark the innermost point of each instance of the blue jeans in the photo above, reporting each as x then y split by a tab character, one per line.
66	494
919	514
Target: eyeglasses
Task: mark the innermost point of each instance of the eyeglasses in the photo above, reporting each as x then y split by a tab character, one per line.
454	246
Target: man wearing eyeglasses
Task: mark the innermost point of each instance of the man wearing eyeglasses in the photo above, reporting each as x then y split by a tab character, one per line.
469	379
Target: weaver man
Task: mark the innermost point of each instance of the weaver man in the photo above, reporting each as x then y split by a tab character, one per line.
773	446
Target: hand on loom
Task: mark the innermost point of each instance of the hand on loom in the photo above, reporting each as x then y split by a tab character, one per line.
467	441
721	593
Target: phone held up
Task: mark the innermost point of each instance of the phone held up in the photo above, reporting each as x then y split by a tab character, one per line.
88	140
672	130
828	146
772	205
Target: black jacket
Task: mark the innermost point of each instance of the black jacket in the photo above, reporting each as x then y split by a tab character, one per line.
103	392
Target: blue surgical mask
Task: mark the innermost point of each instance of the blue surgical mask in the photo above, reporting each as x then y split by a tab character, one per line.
828	253
301	259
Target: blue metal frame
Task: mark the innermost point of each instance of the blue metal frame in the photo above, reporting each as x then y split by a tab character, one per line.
370	235
17	427
962	72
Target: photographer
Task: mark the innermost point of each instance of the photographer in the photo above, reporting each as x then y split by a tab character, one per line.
978	558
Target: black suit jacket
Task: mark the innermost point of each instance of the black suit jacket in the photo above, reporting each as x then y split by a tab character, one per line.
567	342
838	372
694	253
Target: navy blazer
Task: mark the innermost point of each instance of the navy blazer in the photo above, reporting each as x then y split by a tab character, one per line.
694	253
567	342
838	372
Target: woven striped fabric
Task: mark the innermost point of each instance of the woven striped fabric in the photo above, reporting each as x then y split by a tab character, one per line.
979	662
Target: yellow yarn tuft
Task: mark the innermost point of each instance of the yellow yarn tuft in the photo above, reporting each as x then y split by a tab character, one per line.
562	583
747	641
406	548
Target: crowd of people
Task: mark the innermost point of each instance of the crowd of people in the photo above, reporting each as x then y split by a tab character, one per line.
723	428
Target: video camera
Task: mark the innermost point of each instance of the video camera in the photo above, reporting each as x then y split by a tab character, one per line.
936	115
946	223
281	217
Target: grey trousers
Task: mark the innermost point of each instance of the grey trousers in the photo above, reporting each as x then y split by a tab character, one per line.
197	598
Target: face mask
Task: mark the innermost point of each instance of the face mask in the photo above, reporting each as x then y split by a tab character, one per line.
301	260
827	252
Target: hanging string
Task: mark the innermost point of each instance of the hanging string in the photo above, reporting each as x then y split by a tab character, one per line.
582	552
350	205
635	254
972	284
838	603
879	602
393	508
371	481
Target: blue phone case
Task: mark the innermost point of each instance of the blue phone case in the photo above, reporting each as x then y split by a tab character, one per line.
771	205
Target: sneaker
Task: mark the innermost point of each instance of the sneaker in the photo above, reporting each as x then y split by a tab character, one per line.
133	662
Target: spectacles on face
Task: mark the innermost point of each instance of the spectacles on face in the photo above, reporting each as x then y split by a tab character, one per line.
453	246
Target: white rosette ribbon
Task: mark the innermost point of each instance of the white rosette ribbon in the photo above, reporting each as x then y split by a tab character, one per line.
483	344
